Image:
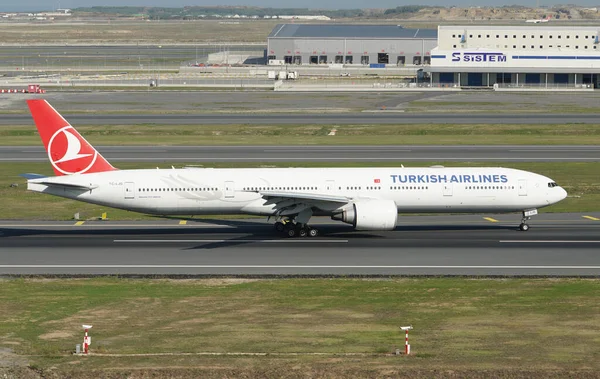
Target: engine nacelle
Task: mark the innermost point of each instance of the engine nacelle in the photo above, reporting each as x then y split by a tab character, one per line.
370	215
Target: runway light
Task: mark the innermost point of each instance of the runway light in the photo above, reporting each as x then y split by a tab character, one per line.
87	340
406	344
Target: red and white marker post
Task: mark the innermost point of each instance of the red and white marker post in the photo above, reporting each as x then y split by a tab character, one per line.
87	340
406	344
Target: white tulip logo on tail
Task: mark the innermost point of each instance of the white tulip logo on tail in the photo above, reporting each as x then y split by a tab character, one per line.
67	153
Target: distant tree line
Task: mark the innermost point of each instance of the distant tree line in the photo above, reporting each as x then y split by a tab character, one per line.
405	9
195	12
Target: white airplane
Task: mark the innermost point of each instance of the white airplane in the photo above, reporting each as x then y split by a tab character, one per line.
367	198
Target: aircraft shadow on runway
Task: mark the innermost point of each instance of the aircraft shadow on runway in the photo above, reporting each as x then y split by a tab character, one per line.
241	232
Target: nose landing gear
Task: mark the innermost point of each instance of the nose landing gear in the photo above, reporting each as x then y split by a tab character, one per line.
526	217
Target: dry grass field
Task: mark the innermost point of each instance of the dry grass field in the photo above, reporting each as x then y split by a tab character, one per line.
462	327
132	32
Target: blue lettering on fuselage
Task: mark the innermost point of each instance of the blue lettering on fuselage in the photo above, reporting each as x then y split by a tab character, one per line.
466	178
478	57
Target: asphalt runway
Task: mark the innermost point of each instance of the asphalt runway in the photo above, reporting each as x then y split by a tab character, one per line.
408	153
557	244
377	117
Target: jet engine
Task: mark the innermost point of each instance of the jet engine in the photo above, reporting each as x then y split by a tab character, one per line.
369	215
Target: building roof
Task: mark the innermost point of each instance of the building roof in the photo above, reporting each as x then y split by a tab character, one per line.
349	31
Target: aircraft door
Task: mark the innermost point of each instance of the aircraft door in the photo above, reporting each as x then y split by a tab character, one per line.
229	190
330	185
522	187
129	190
447	189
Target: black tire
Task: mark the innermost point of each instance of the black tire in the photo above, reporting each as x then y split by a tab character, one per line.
524	227
291	233
313	233
279	226
302	232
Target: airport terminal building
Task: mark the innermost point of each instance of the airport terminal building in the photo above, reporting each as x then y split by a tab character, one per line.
366	45
540	55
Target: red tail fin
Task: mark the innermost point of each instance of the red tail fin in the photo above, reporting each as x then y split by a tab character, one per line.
68	151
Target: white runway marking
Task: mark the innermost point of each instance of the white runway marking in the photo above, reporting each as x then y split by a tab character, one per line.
312	266
547	241
233	240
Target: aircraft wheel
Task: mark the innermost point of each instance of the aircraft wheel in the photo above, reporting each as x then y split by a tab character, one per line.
313	232
302	232
291	233
524	227
279	226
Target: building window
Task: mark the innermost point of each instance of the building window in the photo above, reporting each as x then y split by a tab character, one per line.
271	57
314	59
287	59
383	58
401	61
364	59
323	59
349	59
427	59
297	59
339	59
417	60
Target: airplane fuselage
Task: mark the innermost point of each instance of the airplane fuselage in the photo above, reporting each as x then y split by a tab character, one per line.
196	191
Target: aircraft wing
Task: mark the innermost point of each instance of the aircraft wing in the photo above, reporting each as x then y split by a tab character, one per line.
293	203
274	197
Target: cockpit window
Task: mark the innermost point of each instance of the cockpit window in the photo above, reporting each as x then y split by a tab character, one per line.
552	184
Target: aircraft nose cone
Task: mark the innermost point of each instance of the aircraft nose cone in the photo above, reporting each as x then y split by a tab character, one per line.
563	194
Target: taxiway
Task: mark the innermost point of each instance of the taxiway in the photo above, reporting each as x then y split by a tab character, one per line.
323	153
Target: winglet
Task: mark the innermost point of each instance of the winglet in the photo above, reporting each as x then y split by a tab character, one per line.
68	152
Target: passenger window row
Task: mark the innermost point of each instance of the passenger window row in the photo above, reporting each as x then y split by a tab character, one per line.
280	188
409	187
177	189
490	187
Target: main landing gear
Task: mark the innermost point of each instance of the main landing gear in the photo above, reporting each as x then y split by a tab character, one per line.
526	217
293	229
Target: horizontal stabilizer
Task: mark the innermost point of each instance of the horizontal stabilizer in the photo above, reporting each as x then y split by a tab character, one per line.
29	176
69	185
